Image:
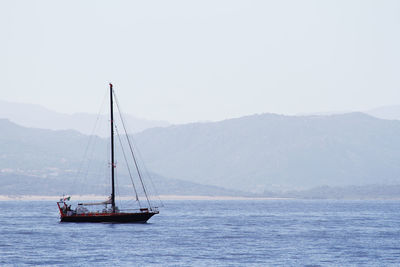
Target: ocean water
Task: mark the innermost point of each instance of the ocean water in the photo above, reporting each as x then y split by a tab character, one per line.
209	233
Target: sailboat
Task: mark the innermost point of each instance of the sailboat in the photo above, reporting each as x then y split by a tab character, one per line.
110	213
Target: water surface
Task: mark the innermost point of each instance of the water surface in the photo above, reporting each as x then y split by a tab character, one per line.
214	233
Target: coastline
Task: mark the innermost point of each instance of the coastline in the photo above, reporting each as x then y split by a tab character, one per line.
169	197
100	198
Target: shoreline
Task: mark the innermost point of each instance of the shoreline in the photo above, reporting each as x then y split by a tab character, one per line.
101	198
169	197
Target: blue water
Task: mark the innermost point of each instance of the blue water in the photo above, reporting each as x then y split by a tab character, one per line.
213	233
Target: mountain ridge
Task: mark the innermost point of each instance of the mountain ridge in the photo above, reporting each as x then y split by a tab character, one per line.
300	138
37	116
256	153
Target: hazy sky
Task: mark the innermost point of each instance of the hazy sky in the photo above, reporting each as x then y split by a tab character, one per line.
185	61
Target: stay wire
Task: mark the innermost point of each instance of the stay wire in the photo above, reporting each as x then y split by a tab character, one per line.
139	156
91	137
133	155
148	174
127	165
141	164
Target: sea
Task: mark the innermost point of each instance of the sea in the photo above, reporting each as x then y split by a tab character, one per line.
209	233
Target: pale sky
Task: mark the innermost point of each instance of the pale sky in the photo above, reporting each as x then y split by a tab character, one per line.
184	61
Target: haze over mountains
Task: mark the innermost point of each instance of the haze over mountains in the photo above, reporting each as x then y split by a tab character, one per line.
383	112
47	162
271	152
386	112
265	154
36	116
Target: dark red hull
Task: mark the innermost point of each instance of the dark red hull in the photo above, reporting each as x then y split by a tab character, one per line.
140	217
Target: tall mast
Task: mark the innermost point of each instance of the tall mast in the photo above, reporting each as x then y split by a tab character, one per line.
112	149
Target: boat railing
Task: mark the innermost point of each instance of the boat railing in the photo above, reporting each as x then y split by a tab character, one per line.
144	210
109	211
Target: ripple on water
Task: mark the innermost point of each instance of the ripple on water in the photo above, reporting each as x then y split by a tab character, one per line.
213	233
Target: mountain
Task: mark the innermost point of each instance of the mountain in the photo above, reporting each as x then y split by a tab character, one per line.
386	112
14	184
258	153
269	152
47	162
36	116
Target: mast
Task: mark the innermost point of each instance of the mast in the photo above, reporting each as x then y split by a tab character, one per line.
112	149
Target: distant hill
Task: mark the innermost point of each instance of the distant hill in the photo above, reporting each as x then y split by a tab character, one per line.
274	152
36	116
386	112
46	162
14	184
258	153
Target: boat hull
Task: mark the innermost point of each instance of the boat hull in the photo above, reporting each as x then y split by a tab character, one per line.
141	217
